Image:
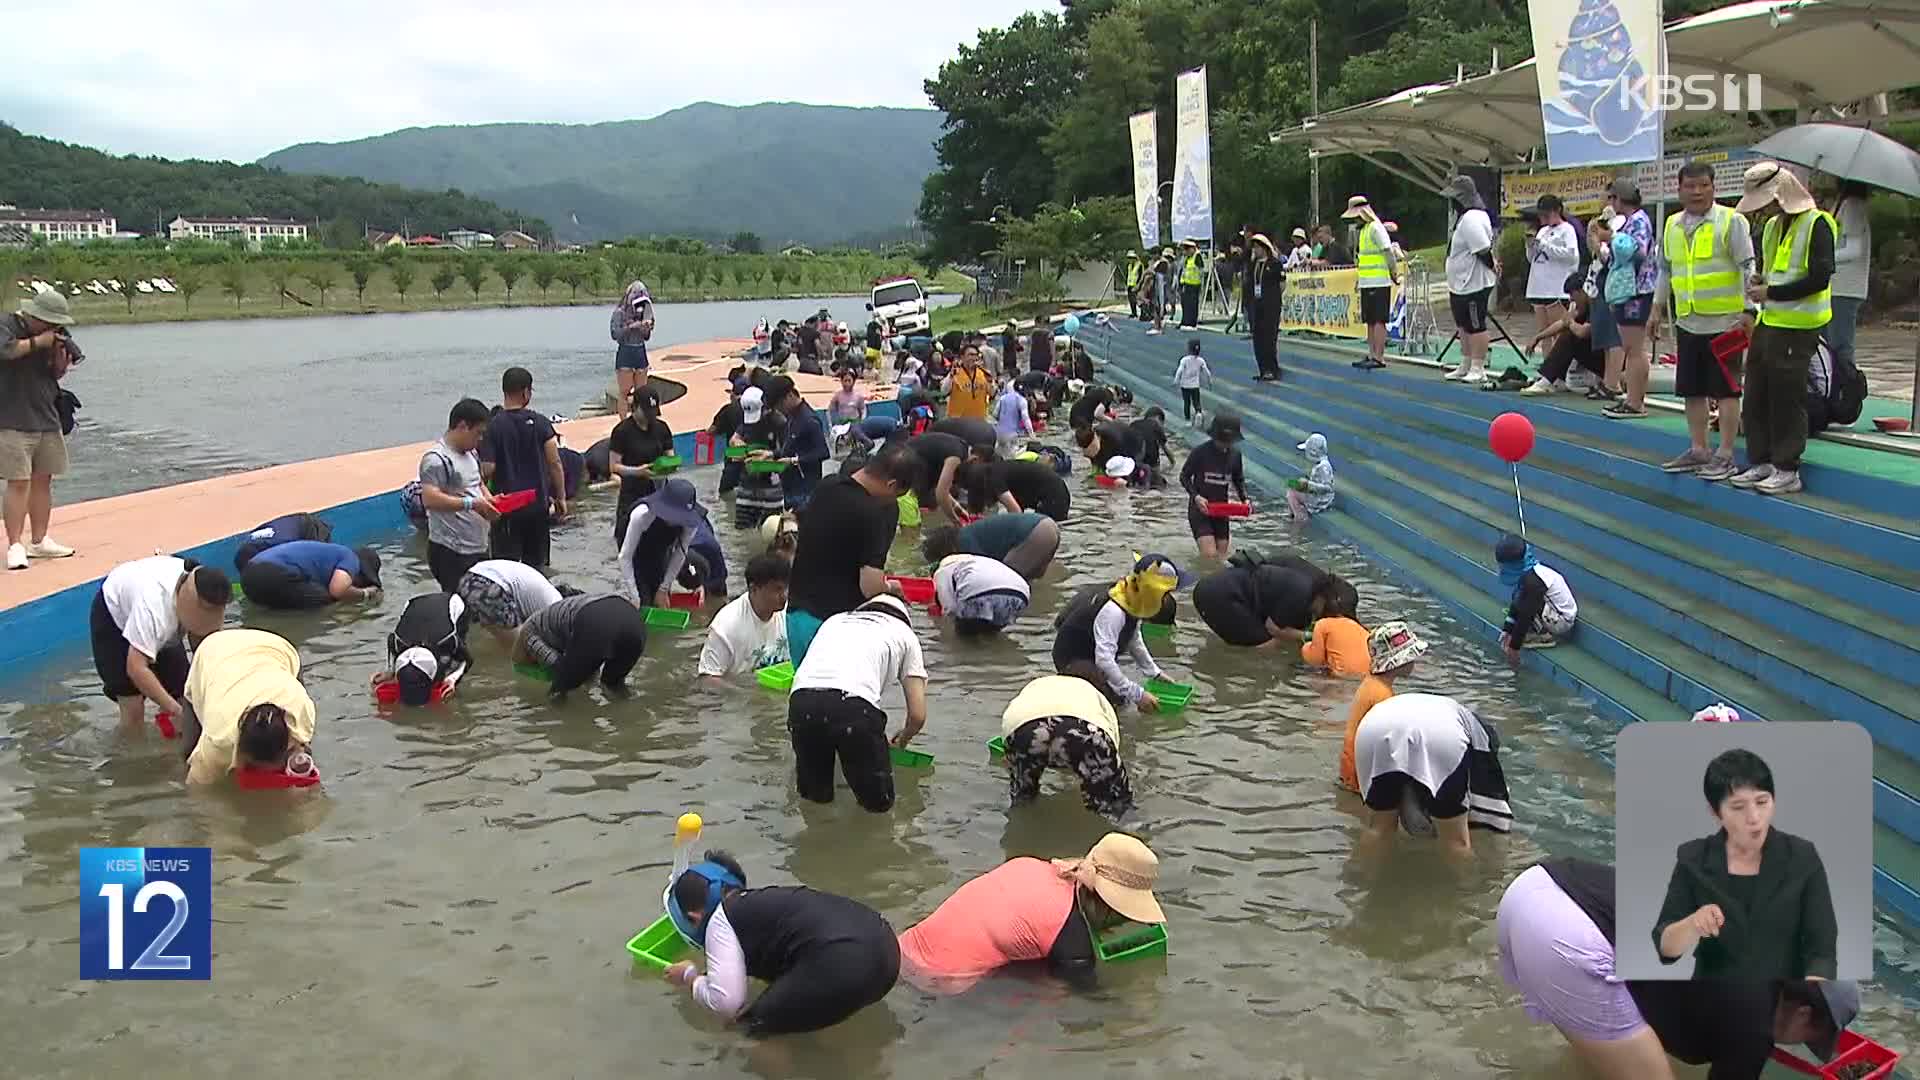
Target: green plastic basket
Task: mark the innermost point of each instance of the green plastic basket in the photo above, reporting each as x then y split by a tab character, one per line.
658	946
739	453
766	466
1173	696
1156	630
533	671
664	464
909	759
238	592
776	677
659	618
1133	941
997	746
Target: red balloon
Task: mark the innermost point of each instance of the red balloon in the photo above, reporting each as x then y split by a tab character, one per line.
1511	436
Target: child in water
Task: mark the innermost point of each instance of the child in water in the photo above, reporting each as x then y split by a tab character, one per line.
1313	493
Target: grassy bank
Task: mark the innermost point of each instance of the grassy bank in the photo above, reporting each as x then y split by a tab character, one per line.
965	317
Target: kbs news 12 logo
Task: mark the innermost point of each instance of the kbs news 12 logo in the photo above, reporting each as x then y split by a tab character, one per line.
146	913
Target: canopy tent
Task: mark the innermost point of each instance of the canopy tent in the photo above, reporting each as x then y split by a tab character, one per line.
1809	55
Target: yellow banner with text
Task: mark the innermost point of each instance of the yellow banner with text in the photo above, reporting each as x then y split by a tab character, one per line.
1326	302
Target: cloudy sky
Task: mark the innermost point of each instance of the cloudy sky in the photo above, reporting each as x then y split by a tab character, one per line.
238	79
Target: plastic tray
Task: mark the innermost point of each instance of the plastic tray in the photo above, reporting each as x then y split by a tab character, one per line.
253	779
658	946
915	590
659	618
739	453
507	504
533	671
388	693
1108	481
1173	696
1229	509
238	592
909	759
1133	941
1851	1049
665	464
690	601
997	746
164	721
766	466
1729	344
1156	629
777	677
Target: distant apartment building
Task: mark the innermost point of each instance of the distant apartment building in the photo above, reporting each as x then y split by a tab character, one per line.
468	239
61	226
252	230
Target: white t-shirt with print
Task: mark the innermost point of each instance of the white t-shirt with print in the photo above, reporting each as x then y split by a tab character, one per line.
1466	274
738	642
140	599
530	588
859	653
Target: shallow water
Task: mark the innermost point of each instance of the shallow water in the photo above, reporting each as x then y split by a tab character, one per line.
454	901
165	403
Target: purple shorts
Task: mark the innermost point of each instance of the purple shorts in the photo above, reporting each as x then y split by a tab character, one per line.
1561	963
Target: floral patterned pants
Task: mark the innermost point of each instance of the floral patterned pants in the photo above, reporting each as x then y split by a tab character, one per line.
1072	744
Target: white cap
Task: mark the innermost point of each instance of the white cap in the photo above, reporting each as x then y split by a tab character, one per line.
1120	467
752	404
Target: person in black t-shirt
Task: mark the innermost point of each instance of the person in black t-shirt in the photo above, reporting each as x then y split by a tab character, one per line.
1213	470
631	450
806	347
941	455
1104	441
1094	404
522	453
846	531
1034	485
725	424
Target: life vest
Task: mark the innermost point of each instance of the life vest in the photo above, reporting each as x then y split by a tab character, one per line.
1134	270
1193	269
1073	637
1785	259
1705	278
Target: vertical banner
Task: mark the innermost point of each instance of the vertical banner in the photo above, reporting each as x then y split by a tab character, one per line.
1192	160
1146	178
1600	64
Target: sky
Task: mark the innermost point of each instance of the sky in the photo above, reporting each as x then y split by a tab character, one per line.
238	80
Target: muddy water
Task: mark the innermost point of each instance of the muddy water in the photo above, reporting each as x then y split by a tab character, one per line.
454	902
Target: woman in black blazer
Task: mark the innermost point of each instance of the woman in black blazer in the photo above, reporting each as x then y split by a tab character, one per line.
1750	900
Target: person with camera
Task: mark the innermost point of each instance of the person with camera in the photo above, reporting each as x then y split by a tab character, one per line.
35	352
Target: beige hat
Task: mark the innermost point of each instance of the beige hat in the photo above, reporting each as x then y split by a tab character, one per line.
1770	182
1392	645
1299	233
48	306
1121	871
1261	239
1358	206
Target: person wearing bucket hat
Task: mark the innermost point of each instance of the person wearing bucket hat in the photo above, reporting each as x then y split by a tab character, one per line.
36	350
1094	627
311	573
834	711
1557	932
1472	269
1029	909
1427	762
244	706
1299	249
1392	650
823	957
1793	286
1214	472
657	550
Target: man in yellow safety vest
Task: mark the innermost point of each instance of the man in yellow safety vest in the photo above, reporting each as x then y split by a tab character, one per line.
1792	285
1378	273
1193	270
1134	269
1707	250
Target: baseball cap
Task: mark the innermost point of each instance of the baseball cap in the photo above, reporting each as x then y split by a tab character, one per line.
414	670
752	404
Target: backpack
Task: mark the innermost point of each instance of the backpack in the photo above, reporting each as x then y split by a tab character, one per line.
1836	390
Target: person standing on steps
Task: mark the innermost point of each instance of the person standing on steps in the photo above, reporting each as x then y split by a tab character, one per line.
35	352
1190	375
522	453
1708	256
1378	275
1135	268
1472	270
1852	264
1553	252
1793	286
1193	271
458	507
1269	281
631	326
1633	273
1541	609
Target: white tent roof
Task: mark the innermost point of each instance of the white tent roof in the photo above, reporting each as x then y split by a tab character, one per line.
1807	53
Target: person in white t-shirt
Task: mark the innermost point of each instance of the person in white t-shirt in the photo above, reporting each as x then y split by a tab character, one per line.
1472	270
983	594
500	594
835	707
1553	253
136	623
750	632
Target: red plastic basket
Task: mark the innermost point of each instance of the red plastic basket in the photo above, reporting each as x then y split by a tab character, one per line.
388	693
508	503
703	448
1851	1049
689	600
253	778
1108	481
1229	509
1729	345
916	590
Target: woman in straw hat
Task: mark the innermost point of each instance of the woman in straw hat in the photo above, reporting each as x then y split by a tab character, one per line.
1269	281
1029	909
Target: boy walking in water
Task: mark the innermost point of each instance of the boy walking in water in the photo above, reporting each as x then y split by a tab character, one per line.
1191	375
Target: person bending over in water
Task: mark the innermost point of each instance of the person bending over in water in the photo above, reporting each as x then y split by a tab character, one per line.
834	710
659	534
1338	643
245	707
983	595
1091	631
1029	909
751	632
581	635
500	594
781	533
137	621
280	530
1261	601
823	957
309	574
1026	541
1428	763
427	650
1062	722
1392	648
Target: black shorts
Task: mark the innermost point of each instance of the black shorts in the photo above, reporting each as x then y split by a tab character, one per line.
272	585
525	536
110	657
1384	793
828	724
1634	311
1470	310
448	566
1700	374
1201	525
1376	304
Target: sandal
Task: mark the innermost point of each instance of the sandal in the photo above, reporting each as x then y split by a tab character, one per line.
1601	393
1623	411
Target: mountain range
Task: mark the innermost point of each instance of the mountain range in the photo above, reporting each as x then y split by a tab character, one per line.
790	173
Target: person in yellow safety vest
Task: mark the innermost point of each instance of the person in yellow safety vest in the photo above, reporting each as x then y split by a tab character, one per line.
1193	270
1793	286
1707	254
1135	268
1378	273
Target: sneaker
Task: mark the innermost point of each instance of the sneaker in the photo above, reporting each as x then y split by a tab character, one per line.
1692	461
1539	386
1456	374
1623	411
1151	332
1598	392
17	557
48	548
1782	482
1473	377
1717	469
1540	641
1751	476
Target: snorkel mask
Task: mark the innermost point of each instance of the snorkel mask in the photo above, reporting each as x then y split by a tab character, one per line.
719	878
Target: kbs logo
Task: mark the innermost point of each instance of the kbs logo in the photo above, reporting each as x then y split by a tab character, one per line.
146	913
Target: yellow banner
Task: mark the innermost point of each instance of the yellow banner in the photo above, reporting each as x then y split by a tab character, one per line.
1326	302
1583	190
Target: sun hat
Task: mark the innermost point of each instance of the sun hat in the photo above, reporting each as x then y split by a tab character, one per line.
1120	466
415	671
1357	206
676	503
752	404
1461	189
1122	872
1770	182
1262	240
1299	233
1392	645
48	306
1842	997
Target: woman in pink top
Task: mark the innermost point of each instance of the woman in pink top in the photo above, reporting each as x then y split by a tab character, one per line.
1033	909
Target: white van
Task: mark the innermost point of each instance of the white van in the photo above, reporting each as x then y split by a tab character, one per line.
900	305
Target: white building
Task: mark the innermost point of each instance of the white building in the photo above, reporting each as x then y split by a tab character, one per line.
468	239
253	230
61	226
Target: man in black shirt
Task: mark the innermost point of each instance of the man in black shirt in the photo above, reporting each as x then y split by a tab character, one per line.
1034	485
846	530
522	453
725	422
807	349
1095	403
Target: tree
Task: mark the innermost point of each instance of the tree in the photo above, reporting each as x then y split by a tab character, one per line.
128	270
324	276
574	276
401	271
510	268
279	274
188	279
746	243
1069	237
543	272
360	269
473	270
442	280
1088	142
233	281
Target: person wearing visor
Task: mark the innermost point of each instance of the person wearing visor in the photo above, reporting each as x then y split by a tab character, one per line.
245	707
823	957
1095	626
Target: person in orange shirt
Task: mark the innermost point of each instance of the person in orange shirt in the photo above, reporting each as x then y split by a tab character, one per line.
1392	649
1338	642
970	388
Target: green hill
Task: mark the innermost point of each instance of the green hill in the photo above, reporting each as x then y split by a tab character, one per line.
791	173
146	192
